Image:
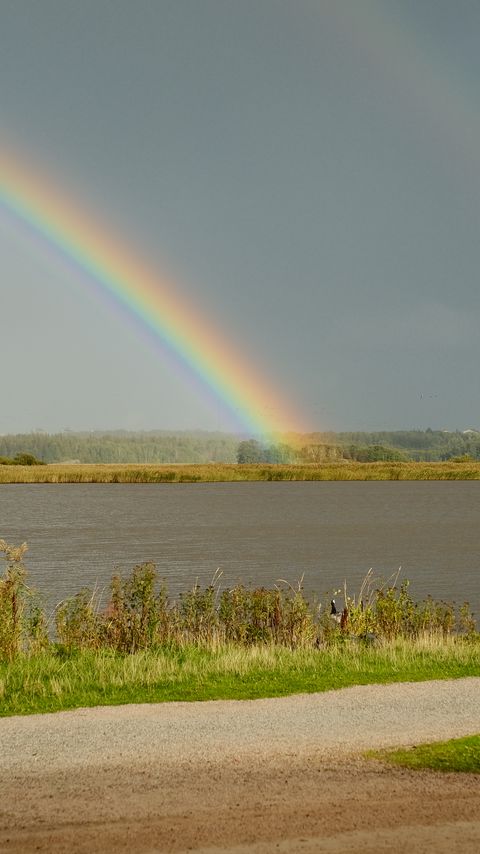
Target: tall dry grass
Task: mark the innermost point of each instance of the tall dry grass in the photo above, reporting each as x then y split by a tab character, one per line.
23	625
220	472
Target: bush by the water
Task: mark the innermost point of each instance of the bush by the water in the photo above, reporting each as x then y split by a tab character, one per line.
21	459
138	615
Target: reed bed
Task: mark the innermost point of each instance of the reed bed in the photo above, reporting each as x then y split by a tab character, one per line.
218	472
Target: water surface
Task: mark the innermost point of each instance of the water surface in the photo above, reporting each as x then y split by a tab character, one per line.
256	532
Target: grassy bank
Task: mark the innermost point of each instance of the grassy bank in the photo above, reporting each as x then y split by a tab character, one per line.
54	680
219	472
458	754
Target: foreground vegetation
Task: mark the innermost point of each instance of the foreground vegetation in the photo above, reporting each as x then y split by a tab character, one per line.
458	754
135	645
219	472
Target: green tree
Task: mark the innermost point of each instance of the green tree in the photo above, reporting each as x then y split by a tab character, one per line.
250	451
27	460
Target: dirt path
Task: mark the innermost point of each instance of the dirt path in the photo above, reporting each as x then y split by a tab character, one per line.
258	776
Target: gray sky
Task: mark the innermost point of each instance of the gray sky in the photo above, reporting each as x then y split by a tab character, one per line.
308	171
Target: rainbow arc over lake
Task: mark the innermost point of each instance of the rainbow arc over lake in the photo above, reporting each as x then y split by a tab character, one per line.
33	201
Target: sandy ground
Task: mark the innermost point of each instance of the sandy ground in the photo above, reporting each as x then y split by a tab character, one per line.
279	775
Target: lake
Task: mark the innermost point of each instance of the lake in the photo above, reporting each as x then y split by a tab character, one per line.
257	533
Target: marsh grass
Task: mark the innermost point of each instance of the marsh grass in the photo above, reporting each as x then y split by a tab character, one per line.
223	472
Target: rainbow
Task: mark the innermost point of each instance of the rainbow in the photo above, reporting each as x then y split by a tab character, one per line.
31	199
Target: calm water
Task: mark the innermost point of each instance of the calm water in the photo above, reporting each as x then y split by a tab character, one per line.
256	532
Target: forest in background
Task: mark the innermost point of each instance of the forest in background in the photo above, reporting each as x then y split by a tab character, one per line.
198	447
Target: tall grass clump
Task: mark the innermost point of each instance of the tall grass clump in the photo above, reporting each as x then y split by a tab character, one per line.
23	627
135	617
281	616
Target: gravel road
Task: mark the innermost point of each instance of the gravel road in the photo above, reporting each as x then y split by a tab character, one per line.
258	775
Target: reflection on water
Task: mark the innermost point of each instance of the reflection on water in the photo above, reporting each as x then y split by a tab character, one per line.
256	532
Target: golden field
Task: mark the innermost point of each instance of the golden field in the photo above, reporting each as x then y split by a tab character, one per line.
221	473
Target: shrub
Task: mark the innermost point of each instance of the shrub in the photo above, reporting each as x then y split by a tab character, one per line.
78	622
25	459
136	615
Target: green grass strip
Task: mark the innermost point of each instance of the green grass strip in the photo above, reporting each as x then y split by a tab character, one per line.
459	754
52	681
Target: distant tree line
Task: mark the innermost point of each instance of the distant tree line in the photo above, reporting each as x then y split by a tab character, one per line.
121	447
204	447
395	446
253	451
426	445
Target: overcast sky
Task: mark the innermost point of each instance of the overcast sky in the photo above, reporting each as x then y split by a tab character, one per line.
307	169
